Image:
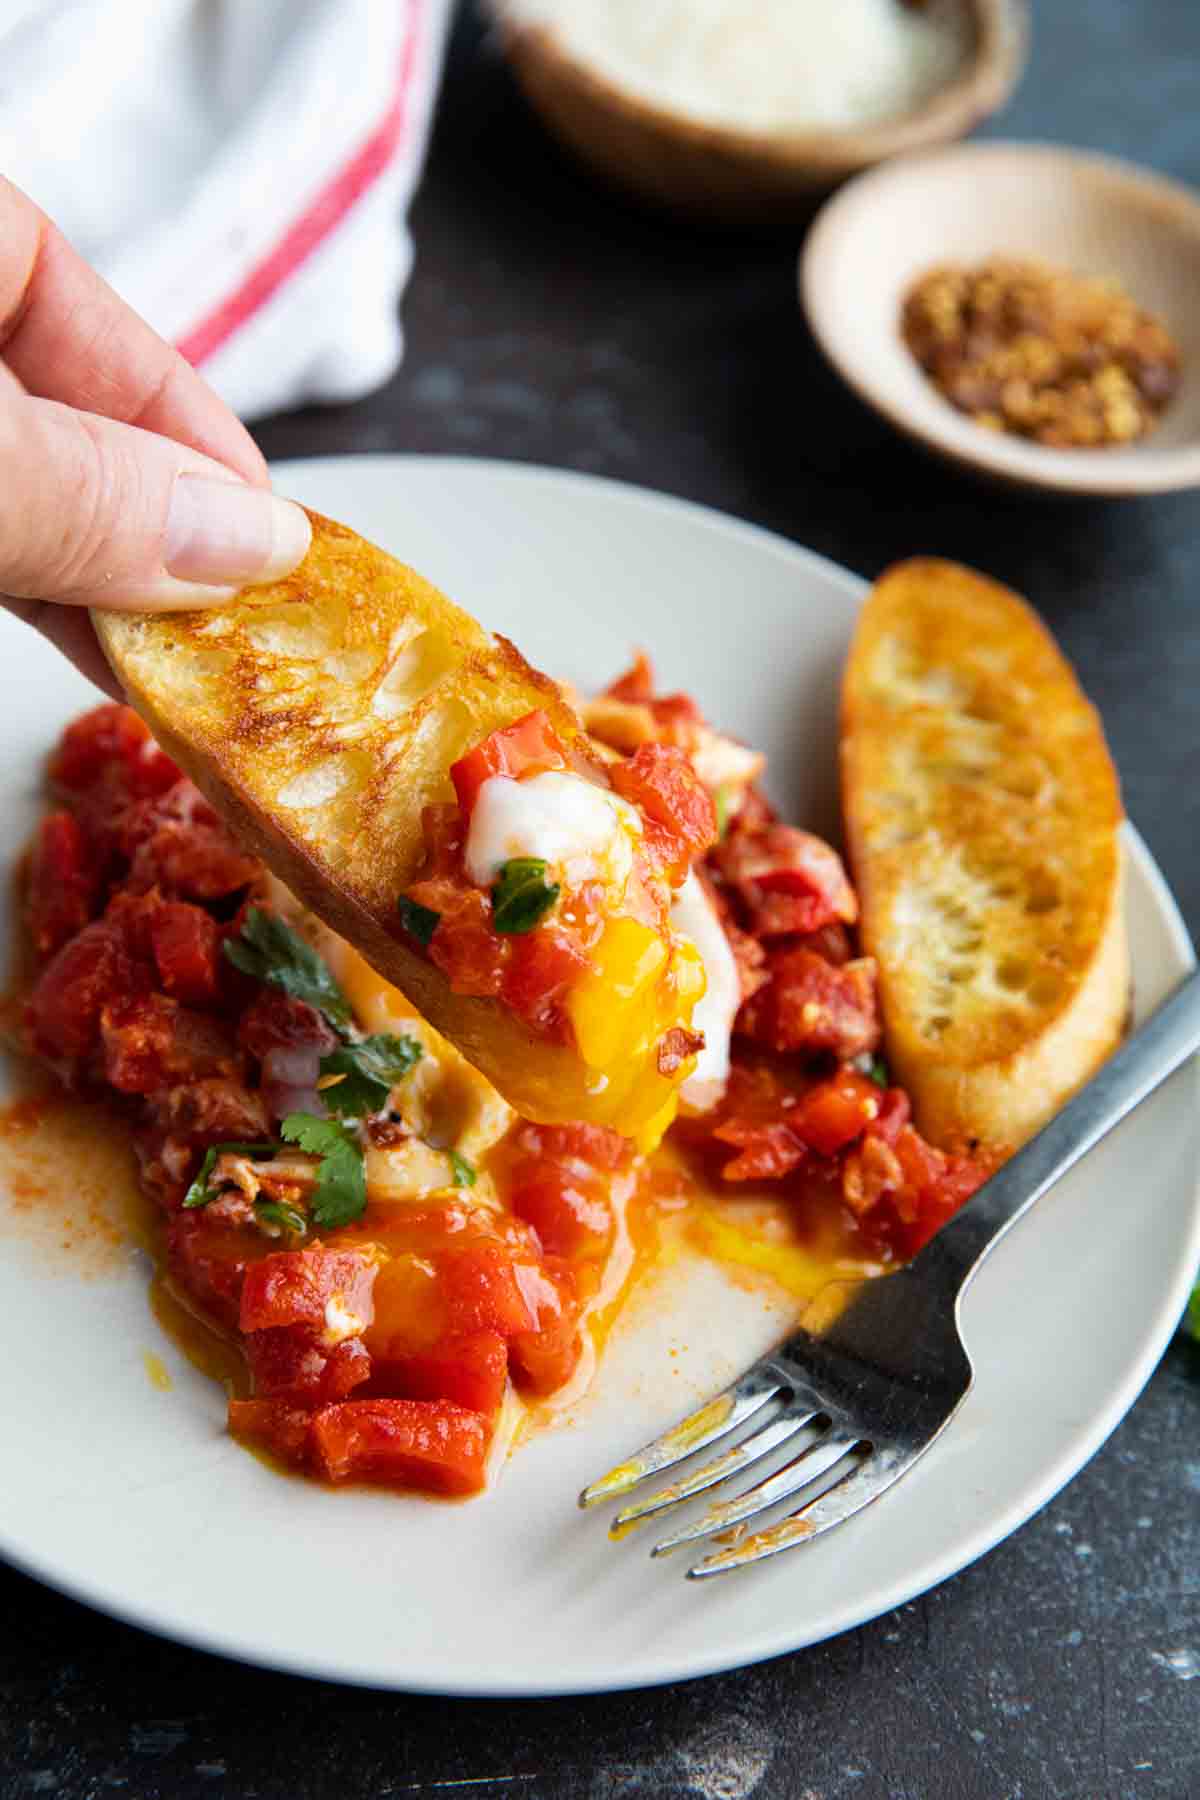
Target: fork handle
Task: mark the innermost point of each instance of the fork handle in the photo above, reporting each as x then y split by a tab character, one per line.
1169	1036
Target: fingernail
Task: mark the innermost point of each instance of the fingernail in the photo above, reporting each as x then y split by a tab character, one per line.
228	533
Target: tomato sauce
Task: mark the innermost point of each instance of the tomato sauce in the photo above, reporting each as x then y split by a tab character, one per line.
374	1269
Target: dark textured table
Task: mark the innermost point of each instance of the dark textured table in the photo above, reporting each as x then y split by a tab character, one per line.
550	322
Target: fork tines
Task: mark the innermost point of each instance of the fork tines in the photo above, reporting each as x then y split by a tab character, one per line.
823	1450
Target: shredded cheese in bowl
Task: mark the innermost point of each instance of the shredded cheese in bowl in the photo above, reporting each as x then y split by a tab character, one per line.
764	65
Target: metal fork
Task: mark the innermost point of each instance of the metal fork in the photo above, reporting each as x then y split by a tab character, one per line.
862	1394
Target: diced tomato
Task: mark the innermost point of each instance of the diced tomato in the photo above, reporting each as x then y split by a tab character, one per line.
195	862
895	1111
809	1005
528	747
769	1149
479	1290
541	1360
660	780
598	1145
464	946
791	881
214	1108
471	1370
277	1021
637	683
112	734
570	1214
151	1042
294	1287
836	1112
291	1360
209	1259
275	1425
542	966
186	944
832	943
63	1013
421	1443
64	883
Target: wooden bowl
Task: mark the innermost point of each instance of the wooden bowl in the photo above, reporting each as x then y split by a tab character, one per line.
1088	213
748	177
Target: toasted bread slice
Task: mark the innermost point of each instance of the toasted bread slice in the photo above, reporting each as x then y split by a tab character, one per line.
982	815
320	714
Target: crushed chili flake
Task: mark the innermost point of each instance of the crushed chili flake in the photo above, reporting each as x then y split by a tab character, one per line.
1038	352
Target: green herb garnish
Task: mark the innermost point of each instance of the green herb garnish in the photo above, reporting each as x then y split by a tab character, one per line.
462	1170
199	1193
522	896
724	801
419	921
369	1071
278	1212
879	1072
271	951
341	1191
1191	1318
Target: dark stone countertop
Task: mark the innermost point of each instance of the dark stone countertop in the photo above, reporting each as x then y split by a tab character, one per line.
551	322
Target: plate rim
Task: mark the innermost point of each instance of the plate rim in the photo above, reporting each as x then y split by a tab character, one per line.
783	1640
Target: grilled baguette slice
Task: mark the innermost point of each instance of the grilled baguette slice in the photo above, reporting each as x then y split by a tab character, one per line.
982	815
319	714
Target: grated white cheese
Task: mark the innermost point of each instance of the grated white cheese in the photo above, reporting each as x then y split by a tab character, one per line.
764	65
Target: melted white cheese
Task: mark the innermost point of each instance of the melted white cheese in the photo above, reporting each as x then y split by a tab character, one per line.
583	831
340	1322
692	916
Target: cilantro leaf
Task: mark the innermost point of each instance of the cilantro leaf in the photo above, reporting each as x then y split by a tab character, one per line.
419	921
522	896
462	1170
280	1213
199	1193
369	1071
879	1073
270	950
341	1191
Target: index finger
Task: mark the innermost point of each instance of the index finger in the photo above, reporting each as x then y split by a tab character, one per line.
67	336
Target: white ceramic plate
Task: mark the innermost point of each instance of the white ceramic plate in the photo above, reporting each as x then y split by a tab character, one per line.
135	1501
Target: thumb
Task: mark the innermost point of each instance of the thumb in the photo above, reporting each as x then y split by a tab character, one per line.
97	513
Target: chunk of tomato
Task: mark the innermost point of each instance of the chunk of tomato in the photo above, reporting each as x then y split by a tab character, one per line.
660	779
836	1112
112	734
527	747
470	1369
569	1212
479	1290
63	883
276	1426
151	1042
598	1145
542	966
291	1360
544	1358
186	944
430	1444
63	1012
295	1287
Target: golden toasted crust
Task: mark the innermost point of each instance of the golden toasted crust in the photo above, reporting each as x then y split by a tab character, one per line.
982	813
319	715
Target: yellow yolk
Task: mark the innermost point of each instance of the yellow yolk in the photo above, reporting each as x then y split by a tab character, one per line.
635	991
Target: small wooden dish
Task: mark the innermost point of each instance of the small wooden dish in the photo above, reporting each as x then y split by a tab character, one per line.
1083	212
745	177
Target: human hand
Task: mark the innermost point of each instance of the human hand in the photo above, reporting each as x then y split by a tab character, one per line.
124	481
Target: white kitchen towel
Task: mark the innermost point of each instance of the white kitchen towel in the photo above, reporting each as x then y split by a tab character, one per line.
239	170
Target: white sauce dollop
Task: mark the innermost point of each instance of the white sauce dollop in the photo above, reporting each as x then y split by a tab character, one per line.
583	831
692	916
